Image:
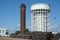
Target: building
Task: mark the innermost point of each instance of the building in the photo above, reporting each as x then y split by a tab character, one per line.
22	17
40	17
4	32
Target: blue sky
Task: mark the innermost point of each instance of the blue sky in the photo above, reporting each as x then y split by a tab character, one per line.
10	13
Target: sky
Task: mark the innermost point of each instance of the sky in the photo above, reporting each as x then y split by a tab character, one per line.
10	13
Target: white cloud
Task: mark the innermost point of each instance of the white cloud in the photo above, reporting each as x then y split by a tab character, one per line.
18	25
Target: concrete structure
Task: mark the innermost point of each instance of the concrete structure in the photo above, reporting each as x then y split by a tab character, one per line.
40	17
3	32
22	17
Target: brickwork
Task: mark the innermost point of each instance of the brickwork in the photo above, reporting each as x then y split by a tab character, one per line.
22	17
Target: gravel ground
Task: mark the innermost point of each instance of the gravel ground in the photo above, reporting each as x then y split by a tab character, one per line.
9	38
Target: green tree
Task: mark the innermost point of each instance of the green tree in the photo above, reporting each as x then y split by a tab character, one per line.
17	32
26	30
58	34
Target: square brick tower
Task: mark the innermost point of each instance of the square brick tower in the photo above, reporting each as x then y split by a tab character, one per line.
22	17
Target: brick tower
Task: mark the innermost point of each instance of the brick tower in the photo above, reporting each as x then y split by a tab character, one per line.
22	17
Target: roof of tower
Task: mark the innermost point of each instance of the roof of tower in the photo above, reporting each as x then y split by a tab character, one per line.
40	6
23	5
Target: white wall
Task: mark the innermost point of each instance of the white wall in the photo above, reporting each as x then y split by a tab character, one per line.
3	32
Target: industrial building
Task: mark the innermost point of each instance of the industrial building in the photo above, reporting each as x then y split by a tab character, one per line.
40	17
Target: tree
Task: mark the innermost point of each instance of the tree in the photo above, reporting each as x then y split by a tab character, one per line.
58	34
26	30
17	32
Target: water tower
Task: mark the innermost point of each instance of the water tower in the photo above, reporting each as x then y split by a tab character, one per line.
40	17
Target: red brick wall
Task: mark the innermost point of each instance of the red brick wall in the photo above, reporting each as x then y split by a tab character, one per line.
22	17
